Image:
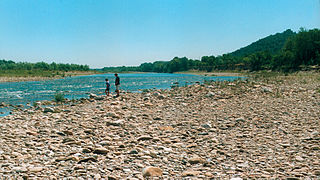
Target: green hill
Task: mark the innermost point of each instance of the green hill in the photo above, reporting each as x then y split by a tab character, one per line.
273	44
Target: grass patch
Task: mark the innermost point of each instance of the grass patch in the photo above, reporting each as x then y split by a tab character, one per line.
260	75
59	97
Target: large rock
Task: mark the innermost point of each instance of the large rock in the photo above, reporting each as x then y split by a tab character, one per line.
143	138
115	123
92	96
210	94
196	160
19	169
48	109
99	98
151	171
35	169
100	151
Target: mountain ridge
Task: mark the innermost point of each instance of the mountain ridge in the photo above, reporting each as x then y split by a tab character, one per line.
272	43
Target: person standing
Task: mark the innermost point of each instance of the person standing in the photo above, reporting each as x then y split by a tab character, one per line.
107	91
117	83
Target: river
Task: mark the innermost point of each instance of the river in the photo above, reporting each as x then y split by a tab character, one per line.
76	87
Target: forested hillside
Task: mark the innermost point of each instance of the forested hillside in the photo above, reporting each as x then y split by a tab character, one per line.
272	44
286	51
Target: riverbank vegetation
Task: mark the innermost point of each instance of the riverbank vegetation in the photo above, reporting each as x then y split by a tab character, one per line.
9	68
283	52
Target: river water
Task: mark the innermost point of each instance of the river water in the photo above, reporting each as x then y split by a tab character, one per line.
80	86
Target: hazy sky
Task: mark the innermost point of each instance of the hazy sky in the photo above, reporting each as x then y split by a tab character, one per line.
103	33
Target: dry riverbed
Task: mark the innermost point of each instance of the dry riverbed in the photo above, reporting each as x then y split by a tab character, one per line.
255	129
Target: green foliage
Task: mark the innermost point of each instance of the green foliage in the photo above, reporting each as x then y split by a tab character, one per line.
40	66
59	97
40	69
120	69
305	47
272	44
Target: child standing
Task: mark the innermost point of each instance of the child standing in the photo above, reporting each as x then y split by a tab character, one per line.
107	91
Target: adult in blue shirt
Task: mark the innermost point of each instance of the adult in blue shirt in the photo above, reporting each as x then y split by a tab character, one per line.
117	83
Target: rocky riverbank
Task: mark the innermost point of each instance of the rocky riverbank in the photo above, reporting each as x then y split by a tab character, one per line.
244	129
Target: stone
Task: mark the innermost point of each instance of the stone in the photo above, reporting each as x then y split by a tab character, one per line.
100	151
133	151
210	94
299	158
19	169
157	118
292	178
236	178
115	123
315	148
79	166
99	98
86	150
161	97
31	133
148	104
112	178
91	95
97	176
35	169
151	171
196	160
207	126
87	159
144	138
266	90
190	173
48	109
316	172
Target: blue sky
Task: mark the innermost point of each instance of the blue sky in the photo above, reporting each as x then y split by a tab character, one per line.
103	33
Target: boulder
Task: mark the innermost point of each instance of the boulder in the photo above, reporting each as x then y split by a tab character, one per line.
151	171
100	151
48	109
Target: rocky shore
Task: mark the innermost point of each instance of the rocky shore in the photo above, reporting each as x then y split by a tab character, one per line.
230	130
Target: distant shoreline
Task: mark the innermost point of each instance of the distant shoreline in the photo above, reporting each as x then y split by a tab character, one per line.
204	73
42	78
68	74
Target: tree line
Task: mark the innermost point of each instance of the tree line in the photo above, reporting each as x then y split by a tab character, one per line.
11	65
287	51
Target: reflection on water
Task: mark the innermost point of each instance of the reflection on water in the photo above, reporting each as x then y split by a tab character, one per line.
80	86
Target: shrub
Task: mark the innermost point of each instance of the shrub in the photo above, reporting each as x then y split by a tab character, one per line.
59	97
